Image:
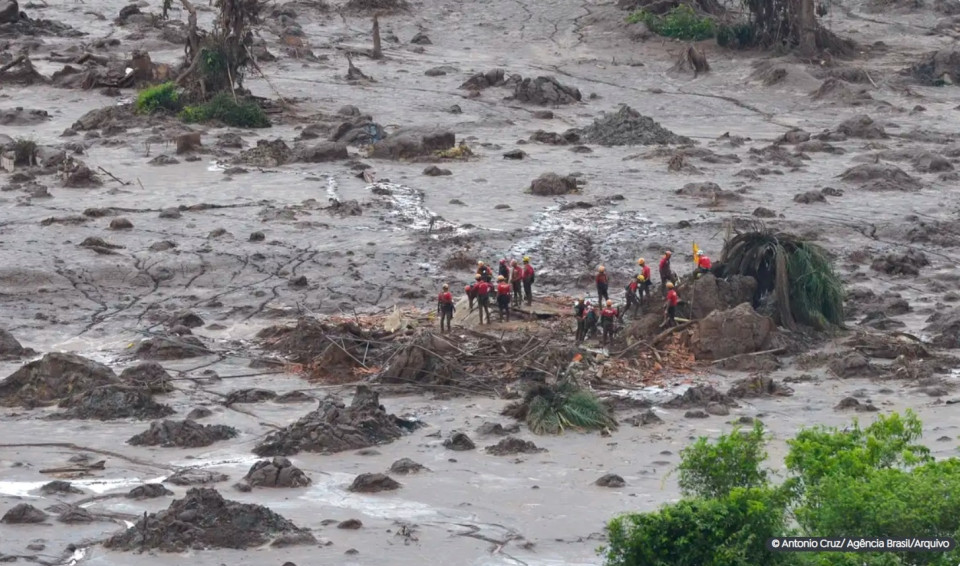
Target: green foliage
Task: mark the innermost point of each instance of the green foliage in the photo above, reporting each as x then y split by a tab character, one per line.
863	482
816	291
161	97
714	469
681	23
551	409
728	531
737	36
223	108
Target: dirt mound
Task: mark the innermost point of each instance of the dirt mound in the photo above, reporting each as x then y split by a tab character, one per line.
278	472
265	154
149	375
112	402
196	476
551	184
709	191
809	197
204	519
148	491
59	487
23	513
626	126
862	126
10	347
492	78
836	90
545	91
334	427
723	334
171	348
53	378
459	442
426	360
20	116
373	483
908	263
852	364
513	445
944	326
610	480
497	429
887	346
406	466
938	68
376	6
699	396
182	434
758	386
249	396
881	177
413	145
647	417
851	403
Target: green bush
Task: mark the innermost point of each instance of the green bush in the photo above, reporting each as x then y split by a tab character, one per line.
25	152
223	108
856	482
728	531
681	22
737	36
161	97
713	469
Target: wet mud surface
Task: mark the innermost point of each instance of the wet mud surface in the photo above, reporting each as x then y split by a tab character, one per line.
153	272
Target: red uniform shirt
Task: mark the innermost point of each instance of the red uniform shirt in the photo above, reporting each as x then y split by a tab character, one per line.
646	273
503	289
608	312
602	277
517	273
482	288
445	298
672	298
527	272
633	286
704	262
663	262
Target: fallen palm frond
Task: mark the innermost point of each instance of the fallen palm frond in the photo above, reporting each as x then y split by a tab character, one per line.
549	409
798	273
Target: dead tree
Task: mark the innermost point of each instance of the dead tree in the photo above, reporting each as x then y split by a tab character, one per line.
377	51
794	23
217	60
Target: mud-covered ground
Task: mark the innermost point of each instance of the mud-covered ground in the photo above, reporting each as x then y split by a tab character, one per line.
101	299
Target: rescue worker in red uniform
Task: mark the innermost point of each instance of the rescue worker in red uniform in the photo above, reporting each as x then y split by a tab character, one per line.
608	317
647	281
504	269
528	277
445	307
602	285
633	297
503	297
672	301
580	314
516	281
666	272
484	272
703	263
471	290
483	299
591	319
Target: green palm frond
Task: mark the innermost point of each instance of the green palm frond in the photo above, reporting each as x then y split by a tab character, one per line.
551	409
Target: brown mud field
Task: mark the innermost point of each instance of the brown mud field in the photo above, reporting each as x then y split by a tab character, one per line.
185	333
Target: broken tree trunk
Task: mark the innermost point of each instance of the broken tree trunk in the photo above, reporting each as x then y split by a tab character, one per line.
377	51
692	59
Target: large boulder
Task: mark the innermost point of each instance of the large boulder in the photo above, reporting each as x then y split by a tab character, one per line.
551	184
412	145
113	402
707	293
740	330
54	377
278	472
10	347
9	12
545	91
322	152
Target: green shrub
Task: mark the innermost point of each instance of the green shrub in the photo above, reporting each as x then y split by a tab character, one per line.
161	97
737	36
24	152
713	469
681	22
728	531
223	108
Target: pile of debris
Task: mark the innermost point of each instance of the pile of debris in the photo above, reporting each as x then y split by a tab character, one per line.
626	126
203	519
53	378
111	402
278	472
334	427
182	434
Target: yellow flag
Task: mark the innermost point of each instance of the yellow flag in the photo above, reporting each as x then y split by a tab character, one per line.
695	250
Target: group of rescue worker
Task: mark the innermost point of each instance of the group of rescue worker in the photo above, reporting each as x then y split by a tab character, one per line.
514	286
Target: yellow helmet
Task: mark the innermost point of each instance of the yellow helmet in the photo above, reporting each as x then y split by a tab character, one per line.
640	278
601	268
445	286
641	261
669	284
526	259
479	264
